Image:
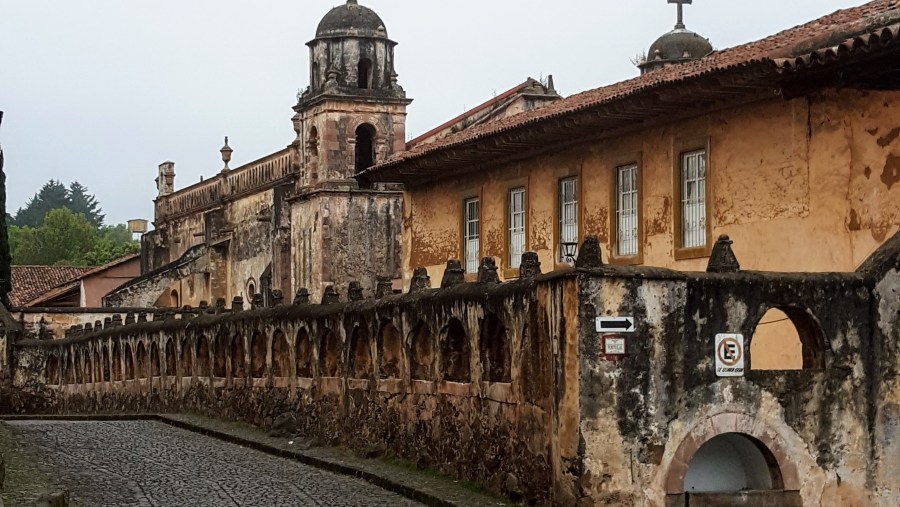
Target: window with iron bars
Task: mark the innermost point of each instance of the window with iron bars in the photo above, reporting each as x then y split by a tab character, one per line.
471	225
568	218
516	226
626	211
693	199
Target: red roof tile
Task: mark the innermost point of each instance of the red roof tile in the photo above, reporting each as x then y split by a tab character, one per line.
808	42
29	282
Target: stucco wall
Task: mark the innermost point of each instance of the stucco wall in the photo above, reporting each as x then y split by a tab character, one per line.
808	184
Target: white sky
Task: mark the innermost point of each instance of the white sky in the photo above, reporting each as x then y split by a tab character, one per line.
102	91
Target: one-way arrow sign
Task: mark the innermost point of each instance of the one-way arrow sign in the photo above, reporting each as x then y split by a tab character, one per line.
615	324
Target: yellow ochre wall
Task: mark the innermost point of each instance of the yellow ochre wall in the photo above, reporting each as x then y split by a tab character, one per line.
810	184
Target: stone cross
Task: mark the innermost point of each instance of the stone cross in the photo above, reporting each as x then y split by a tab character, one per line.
681	3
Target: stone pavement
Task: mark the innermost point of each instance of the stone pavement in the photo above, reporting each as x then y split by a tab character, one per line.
148	463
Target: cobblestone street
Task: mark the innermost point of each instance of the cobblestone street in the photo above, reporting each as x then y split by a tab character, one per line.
144	463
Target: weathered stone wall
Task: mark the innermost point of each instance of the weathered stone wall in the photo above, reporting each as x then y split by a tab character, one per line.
54	323
455	379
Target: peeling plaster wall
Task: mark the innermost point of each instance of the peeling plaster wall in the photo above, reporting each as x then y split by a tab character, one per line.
809	184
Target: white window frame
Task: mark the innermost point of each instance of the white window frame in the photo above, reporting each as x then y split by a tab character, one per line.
516	237
693	199
627	212
471	233
568	214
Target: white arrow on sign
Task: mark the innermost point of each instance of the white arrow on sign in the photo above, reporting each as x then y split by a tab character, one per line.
615	324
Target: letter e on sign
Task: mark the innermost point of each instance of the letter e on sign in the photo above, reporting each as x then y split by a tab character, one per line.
729	355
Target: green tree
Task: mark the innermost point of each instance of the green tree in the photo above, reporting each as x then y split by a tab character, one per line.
80	201
64	239
5	258
113	243
51	196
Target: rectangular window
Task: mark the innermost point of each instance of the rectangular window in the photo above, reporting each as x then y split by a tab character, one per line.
693	199
568	219
471	231
626	211
516	226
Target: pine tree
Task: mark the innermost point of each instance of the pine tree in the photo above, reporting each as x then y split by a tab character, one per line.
5	258
80	201
53	195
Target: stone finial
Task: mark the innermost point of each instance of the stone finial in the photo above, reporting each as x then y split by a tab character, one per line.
170	315
142	316
158	316
129	318
301	297
187	312
420	281
79	330
383	287
722	259
330	296
107	322
237	304
220	305
355	292
530	265
117	320
487	271
590	255
98	325
454	274
257	301
277	297
226	152
88	328
204	305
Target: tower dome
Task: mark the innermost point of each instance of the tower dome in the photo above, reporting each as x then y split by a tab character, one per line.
351	20
677	46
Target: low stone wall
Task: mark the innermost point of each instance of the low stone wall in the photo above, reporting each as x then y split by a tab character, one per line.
455	380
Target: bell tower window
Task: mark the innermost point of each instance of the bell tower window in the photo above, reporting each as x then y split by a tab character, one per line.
365	147
364	74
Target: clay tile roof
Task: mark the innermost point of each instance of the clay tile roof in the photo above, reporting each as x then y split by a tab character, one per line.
810	42
30	282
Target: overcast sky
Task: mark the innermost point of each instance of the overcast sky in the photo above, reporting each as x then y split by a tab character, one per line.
102	91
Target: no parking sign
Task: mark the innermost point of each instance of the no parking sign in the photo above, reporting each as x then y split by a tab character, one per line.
730	355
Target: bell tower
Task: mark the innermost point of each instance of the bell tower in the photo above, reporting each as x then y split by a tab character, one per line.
350	117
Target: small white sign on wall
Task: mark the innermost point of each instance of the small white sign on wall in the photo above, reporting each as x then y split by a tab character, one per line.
729	355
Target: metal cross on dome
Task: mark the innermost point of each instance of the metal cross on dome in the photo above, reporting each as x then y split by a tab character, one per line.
681	3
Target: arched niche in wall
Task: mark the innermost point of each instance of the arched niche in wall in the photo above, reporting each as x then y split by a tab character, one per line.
390	351
51	370
203	357
787	338
97	367
455	353
187	363
141	361
155	364
69	369
258	355
360	353
117	374
281	355
105	364
129	363
494	348
329	354
220	369
238	361
171	360
303	353
421	342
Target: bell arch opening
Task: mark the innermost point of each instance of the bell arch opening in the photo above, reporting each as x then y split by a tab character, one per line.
787	338
364	74
365	147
